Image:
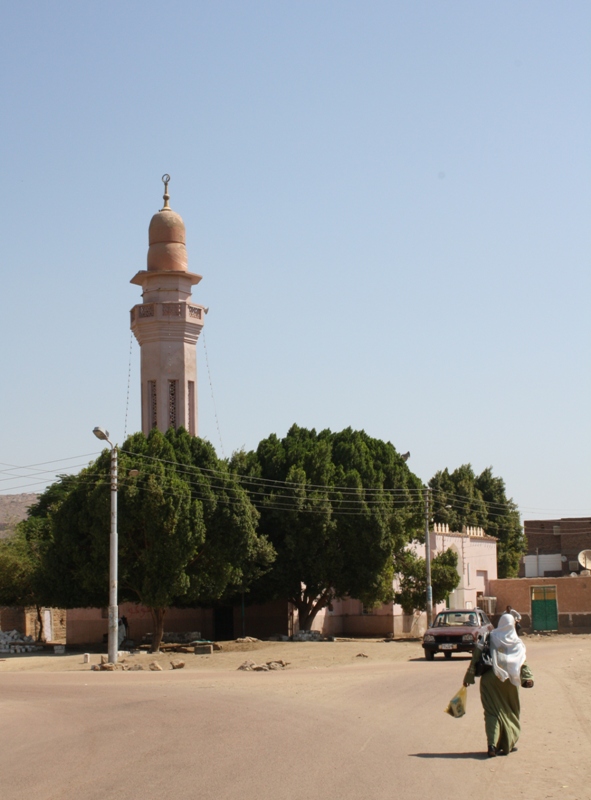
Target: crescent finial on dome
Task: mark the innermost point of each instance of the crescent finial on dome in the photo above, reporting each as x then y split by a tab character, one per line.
166	235
166	196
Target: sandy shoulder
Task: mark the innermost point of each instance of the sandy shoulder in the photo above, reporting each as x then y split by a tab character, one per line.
569	650
298	655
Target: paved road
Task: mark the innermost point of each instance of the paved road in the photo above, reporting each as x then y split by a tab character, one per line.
361	732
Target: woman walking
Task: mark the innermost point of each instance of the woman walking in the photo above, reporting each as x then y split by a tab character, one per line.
502	671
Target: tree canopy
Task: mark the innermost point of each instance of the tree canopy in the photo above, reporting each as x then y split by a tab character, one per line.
311	517
464	498
187	530
336	506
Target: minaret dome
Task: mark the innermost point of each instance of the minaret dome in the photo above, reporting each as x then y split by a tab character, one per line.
166	236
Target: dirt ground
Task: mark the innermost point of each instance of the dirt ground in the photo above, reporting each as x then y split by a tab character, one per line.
298	655
333	722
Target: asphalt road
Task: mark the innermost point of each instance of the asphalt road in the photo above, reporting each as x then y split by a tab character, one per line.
368	731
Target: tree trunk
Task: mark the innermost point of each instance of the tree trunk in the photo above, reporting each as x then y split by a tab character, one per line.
158	620
40	621
307	610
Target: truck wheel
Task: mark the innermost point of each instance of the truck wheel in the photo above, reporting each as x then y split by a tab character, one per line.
429	655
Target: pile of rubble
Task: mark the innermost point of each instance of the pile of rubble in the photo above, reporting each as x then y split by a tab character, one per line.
108	666
15	642
174	638
308	636
251	666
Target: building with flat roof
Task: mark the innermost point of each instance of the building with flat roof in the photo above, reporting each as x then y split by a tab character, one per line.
553	546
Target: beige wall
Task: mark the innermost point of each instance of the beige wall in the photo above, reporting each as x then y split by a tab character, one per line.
25	621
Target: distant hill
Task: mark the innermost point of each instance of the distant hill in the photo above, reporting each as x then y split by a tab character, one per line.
13	509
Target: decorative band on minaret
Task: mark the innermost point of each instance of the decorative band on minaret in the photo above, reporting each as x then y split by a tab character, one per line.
167	325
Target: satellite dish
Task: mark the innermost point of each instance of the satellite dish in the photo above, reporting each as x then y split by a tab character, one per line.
585	559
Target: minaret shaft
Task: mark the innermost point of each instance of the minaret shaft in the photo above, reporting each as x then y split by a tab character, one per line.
167	325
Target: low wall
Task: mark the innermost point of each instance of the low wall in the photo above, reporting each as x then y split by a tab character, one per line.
89	625
262	621
573	599
401	626
12	618
25	621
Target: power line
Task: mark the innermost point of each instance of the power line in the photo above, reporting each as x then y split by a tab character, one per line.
258	488
43	463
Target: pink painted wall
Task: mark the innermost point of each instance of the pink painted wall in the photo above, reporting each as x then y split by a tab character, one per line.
88	626
477	566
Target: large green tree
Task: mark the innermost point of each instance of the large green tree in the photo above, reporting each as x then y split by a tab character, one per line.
19	568
463	498
24	580
412	576
187	530
336	506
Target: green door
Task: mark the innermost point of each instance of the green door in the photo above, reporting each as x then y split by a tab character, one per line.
544	608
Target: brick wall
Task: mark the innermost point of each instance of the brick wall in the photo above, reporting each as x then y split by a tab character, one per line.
25	620
12	619
573	537
573	597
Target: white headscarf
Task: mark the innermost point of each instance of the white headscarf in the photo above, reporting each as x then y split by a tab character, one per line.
507	650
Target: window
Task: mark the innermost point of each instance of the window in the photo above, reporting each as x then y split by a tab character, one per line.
191	407
543	592
152	405
172	405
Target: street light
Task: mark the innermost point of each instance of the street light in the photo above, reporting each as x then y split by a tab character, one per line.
103	435
428	562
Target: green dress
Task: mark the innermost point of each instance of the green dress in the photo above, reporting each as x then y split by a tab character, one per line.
500	700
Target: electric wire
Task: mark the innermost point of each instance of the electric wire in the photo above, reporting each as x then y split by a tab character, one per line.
263	492
53	461
276	502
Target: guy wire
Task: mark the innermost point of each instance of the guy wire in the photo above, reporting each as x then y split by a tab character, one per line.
128	386
215	413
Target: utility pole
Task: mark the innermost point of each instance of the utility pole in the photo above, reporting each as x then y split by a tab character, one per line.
428	562
113	629
113	637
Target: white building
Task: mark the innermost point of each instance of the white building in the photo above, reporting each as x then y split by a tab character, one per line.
477	566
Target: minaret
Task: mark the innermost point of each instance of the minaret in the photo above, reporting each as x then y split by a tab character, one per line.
167	325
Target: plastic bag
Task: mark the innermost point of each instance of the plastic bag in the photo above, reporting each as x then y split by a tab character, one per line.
457	705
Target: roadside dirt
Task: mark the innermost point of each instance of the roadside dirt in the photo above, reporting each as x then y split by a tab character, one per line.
299	655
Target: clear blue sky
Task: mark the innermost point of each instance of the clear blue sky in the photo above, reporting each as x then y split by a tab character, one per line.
389	203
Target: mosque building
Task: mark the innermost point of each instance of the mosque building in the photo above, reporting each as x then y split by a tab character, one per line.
167	325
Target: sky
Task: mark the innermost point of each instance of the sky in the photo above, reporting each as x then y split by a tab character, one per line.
389	204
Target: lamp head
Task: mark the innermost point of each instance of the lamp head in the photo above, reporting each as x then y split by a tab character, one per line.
101	433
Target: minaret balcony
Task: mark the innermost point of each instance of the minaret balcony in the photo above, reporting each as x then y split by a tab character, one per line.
151	320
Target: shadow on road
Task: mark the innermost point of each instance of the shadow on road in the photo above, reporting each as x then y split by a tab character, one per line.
477	756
